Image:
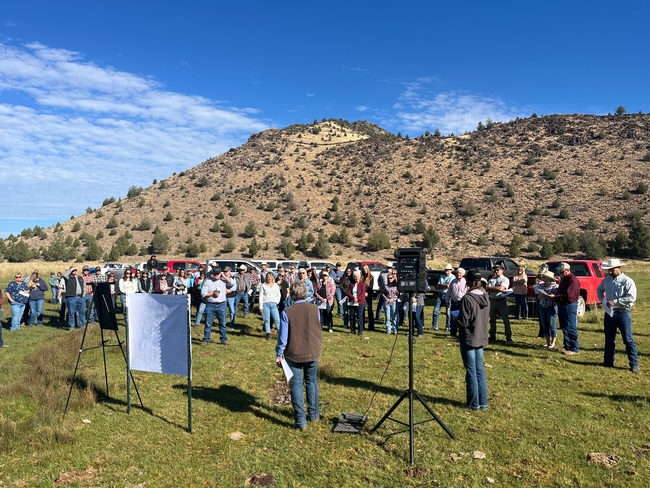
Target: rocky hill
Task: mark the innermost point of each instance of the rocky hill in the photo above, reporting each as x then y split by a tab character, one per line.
349	182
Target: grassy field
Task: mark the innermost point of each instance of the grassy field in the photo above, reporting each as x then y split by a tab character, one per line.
547	413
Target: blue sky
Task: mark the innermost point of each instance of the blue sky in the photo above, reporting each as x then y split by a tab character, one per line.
97	97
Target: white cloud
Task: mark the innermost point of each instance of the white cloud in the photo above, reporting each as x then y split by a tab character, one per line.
361	108
418	109
91	131
310	95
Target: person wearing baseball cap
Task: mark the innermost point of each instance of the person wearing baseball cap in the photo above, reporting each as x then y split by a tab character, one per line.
75	291
546	307
473	337
242	288
213	293
567	296
618	292
496	285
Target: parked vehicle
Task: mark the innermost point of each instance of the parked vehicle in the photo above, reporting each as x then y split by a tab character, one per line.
589	274
234	263
271	263
174	265
116	268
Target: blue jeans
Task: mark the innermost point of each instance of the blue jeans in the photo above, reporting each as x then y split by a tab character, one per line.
55	294
17	310
475	382
88	306
339	297
218	309
75	307
547	319
453	324
36	307
232	310
440	301
390	309
311	387
568	315
356	313
270	311
621	320
521	307
240	297
418	318
199	314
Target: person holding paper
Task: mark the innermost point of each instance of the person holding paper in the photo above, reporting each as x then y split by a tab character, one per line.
547	309
496	286
213	292
618	292
457	290
17	293
299	341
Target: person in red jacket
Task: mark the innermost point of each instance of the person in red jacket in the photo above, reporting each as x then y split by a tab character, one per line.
567	295
357	302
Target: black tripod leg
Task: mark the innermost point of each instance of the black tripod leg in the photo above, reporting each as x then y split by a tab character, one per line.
433	414
105	369
401	398
130	372
74	375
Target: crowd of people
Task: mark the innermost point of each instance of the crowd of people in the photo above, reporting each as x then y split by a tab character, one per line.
473	305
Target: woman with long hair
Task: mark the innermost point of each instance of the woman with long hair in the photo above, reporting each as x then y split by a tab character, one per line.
391	295
344	284
357	302
325	291
473	337
180	283
37	289
145	283
127	286
369	280
269	298
311	276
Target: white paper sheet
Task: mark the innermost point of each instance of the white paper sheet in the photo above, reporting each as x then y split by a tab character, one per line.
158	333
608	310
287	370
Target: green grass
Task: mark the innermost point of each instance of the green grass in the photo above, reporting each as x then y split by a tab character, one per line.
547	413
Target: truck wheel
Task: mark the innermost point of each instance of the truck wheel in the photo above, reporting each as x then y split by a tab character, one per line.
582	307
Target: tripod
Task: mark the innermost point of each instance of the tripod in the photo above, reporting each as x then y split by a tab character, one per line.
411	394
110	313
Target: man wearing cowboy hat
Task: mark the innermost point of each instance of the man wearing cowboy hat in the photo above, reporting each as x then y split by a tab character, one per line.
443	287
242	287
496	286
619	290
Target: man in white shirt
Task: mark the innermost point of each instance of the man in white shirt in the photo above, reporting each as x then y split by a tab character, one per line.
213	293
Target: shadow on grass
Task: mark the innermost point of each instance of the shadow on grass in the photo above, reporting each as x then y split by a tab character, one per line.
368	385
618	398
237	400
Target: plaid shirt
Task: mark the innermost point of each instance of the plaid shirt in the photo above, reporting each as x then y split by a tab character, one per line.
545	301
89	280
255	278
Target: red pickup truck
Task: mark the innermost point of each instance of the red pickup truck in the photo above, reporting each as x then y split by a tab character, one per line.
589	274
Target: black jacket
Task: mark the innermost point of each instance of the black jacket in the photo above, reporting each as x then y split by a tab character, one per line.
473	319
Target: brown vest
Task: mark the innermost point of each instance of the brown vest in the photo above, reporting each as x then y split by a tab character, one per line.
304	341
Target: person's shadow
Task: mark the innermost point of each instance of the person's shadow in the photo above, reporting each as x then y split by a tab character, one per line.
237	400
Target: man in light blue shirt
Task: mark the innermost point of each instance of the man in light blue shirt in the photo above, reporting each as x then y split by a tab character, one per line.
619	291
213	293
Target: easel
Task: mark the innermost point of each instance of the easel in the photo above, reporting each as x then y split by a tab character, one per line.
411	394
108	321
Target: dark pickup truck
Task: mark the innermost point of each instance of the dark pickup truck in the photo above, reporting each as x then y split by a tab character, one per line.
485	264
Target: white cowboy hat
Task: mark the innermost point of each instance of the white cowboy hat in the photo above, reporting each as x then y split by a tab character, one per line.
612	263
548	274
448	266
